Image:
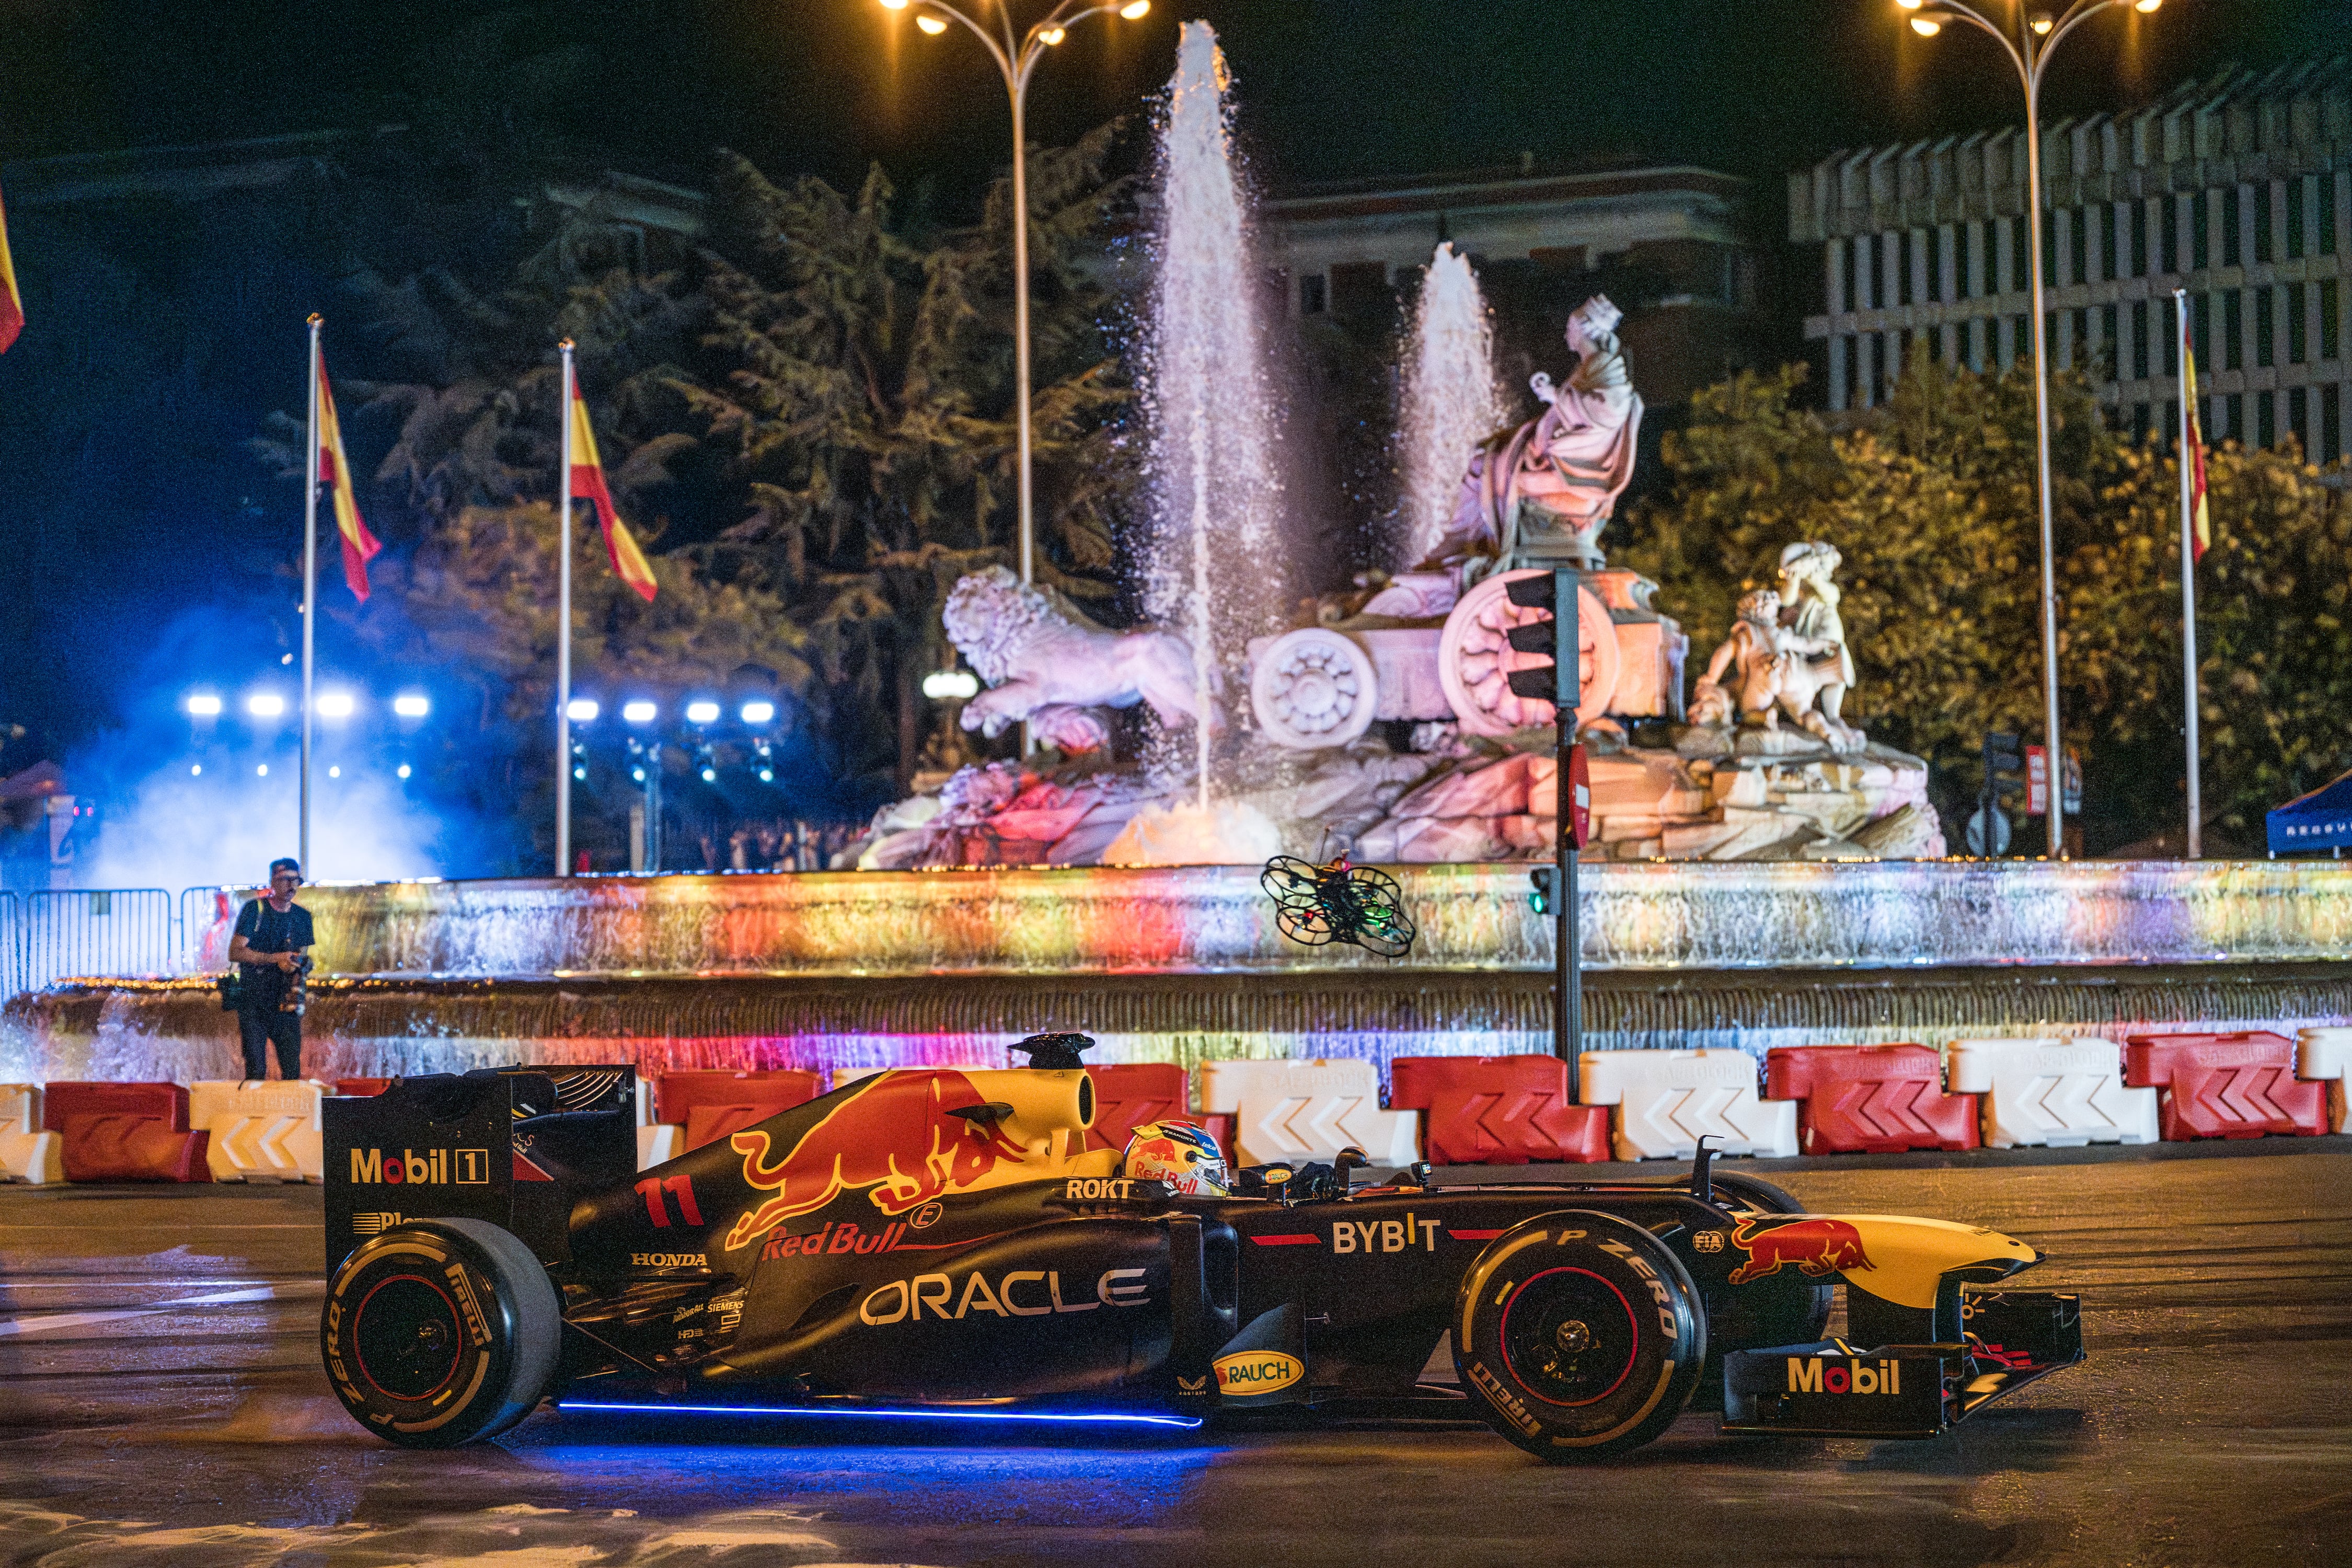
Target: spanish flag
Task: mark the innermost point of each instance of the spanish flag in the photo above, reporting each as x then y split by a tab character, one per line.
360	546
2202	536
12	304
588	483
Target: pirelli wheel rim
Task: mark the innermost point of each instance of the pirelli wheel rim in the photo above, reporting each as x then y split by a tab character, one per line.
1570	1336
1581	1332
406	1336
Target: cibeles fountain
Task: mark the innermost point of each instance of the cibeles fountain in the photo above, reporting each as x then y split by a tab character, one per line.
1764	873
1759	764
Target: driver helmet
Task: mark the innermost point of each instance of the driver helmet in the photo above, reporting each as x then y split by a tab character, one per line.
1179	1154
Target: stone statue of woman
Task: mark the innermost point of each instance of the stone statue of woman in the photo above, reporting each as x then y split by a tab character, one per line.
1808	613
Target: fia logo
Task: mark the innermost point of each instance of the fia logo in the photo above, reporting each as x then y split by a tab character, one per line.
1706	1241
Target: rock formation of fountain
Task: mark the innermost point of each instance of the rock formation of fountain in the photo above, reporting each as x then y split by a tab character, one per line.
1210	567
1448	400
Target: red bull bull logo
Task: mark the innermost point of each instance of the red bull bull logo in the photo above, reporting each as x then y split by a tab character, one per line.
1818	1248
894	1136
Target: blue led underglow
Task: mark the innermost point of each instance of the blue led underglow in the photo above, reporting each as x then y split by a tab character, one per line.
1103	1419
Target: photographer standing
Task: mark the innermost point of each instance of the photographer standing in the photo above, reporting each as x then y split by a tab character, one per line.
273	944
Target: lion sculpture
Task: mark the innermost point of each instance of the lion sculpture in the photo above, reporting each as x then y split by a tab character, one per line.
1044	662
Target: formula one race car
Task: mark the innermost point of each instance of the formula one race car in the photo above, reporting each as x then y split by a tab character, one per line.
950	1243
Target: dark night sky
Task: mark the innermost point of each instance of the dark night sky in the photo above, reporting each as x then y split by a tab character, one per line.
1329	87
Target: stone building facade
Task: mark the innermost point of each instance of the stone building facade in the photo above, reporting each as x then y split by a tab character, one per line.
1671	245
2238	189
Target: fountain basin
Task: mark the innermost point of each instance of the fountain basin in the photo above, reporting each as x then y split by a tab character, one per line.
861	969
1214	919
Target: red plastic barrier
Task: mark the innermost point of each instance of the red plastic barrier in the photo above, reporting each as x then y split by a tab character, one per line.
362	1086
2225	1086
1497	1110
1132	1093
1874	1099
125	1132
710	1105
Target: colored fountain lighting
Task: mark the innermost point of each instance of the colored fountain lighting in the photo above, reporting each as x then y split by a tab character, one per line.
265	705
336	705
758	712
639	712
412	705
1058	1417
205	704
582	710
703	713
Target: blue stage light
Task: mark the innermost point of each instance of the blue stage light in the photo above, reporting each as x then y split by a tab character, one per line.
1090	1419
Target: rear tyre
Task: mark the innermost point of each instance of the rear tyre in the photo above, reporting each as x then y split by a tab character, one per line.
440	1332
1583	1333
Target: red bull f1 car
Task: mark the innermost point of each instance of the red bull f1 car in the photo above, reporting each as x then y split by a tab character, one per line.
953	1244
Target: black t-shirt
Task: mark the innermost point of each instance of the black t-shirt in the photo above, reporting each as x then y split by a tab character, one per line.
267	931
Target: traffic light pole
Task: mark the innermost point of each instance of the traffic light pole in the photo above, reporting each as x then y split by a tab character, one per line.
1568	694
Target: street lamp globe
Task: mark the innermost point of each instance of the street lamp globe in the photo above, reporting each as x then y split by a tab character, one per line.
1929	26
1136	11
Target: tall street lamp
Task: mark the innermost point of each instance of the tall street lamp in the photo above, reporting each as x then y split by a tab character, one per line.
2028	40
1016	55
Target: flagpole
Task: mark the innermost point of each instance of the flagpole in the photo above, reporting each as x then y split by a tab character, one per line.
563	636
2189	570
309	594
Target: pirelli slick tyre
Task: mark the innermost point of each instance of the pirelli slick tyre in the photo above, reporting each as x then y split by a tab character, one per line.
440	1332
1583	1333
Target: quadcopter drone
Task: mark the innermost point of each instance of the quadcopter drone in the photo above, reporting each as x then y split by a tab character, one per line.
1317	905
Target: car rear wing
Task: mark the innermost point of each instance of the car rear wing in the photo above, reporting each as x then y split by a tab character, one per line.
514	1146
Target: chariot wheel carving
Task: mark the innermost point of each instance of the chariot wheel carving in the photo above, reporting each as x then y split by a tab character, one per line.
1314	689
1474	659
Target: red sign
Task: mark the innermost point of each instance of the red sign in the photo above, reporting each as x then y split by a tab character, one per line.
2037	782
1579	789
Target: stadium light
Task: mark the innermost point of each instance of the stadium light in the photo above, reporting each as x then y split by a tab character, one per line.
205	704
412	705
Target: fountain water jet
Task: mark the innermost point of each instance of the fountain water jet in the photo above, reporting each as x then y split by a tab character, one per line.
1208	561
1448	399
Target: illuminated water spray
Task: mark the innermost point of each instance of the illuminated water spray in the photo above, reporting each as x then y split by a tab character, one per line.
1208	561
1448	400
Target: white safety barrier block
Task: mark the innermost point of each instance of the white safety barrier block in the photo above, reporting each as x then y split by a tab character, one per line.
2059	1093
2322	1055
27	1154
1287	1112
659	1143
1667	1100
261	1132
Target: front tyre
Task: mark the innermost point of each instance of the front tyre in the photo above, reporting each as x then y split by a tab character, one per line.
440	1332
1583	1333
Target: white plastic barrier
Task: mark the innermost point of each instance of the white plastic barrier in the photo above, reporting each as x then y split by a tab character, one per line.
1286	1112
261	1132
1667	1100
2325	1055
2063	1093
658	1142
28	1154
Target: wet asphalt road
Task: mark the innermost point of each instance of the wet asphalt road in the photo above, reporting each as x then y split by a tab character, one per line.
160	1401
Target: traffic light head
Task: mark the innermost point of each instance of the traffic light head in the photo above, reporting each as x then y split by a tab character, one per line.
2003	753
1540	889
